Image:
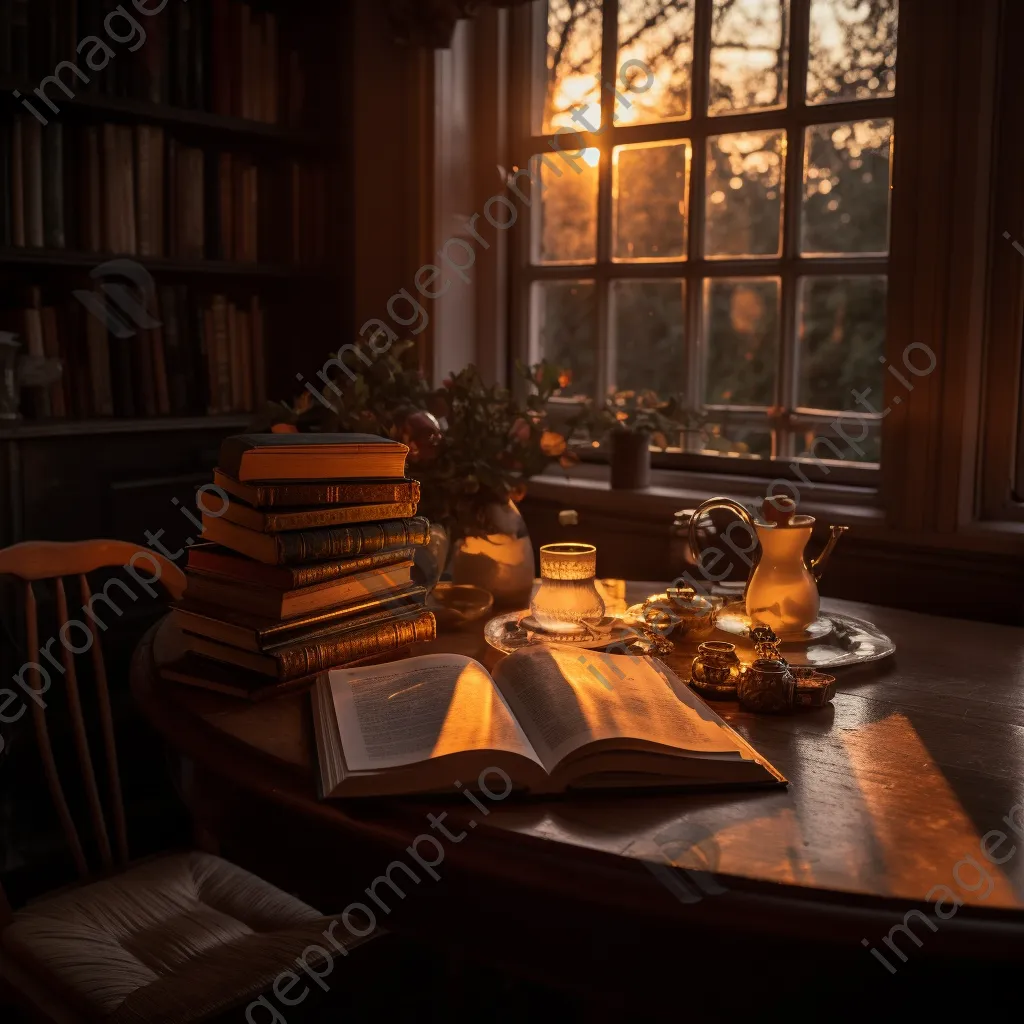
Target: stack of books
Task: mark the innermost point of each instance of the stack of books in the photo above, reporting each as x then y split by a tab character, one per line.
309	564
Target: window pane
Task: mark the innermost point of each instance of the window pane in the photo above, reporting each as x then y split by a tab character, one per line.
573	63
855	440
568	209
741	330
744	194
724	437
842	340
660	34
649	185
749	50
564	330
846	188
853	50
649	318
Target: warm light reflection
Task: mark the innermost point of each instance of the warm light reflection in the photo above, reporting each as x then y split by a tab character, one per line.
592	156
476	718
912	822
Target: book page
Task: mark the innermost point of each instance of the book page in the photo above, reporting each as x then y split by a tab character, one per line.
566	698
422	708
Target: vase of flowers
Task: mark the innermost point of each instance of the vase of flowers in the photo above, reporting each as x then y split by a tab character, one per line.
472	447
631	422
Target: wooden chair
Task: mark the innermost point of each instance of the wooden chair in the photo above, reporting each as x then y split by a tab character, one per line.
175	939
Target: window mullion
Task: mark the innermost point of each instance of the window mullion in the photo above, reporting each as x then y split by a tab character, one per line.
796	91
699	78
610	83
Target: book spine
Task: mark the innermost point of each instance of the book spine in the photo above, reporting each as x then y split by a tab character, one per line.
259	354
143	199
111	186
276	522
35	347
336	494
18	236
6	192
126	153
51	348
53	185
388	636
156	187
286	634
326	572
221	345
225	212
351	541
163	393
98	346
235	349
32	177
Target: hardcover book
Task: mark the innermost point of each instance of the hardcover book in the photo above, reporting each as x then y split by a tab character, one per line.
294	661
308	457
218	591
351	492
258	633
550	719
194	670
284	519
331	543
224	562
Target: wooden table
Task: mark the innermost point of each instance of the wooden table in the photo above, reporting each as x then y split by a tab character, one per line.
891	790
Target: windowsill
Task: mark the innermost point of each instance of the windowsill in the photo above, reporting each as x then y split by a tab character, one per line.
672	490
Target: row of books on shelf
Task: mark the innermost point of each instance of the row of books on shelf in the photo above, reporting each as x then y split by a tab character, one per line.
201	356
226	57
124	189
310	563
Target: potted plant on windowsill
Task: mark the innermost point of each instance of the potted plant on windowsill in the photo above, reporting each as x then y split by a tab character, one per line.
630	422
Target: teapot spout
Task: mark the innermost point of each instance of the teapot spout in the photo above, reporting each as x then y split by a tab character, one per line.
817	567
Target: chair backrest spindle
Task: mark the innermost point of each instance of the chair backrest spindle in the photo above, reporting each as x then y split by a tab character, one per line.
107	726
43	737
92	794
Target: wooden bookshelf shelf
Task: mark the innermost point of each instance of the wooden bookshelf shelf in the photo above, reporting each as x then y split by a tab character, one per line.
116	108
15	430
64	259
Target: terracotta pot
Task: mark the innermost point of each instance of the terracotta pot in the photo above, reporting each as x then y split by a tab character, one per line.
500	560
630	458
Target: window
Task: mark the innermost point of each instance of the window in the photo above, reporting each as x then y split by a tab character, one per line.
715	212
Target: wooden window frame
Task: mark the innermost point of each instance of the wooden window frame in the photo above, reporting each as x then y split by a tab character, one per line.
790	267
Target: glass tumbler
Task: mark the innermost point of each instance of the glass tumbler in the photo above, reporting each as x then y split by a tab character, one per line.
567	598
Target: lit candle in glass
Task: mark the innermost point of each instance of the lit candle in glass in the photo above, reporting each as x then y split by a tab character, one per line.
567	597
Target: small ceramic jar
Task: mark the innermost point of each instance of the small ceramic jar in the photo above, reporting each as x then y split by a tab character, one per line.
767	686
716	670
813	689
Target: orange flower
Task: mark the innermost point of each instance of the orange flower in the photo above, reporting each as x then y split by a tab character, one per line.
552	444
284	428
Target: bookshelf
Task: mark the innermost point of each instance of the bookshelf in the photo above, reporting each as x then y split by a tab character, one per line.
213	156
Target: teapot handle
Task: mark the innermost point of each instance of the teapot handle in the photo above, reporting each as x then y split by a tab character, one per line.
817	567
709	506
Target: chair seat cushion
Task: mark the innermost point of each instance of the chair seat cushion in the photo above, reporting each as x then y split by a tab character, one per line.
169	941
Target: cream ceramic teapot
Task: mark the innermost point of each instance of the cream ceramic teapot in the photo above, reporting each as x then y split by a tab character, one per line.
782	590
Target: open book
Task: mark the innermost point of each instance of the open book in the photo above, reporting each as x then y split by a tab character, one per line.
552	718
